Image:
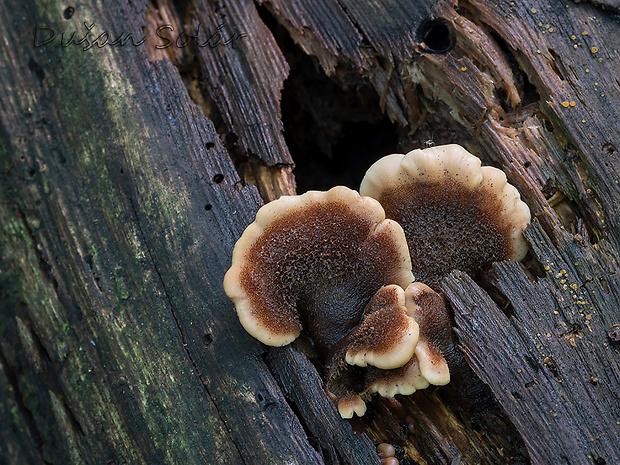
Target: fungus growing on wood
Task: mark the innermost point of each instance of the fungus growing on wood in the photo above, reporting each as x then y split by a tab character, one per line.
412	369
315	261
386	337
329	262
455	213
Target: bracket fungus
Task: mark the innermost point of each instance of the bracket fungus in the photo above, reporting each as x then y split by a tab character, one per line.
332	264
456	214
418	366
314	261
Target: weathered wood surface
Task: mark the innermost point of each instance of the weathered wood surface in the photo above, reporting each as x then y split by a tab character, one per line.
120	204
119	211
550	362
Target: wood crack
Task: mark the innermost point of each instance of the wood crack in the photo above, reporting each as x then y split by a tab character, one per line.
180	327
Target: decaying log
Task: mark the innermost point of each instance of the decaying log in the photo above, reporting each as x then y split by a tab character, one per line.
129	171
548	357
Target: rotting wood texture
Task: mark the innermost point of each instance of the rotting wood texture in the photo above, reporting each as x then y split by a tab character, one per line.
120	203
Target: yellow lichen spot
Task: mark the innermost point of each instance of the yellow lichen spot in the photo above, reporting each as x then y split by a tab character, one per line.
575	46
589	316
547	268
565	104
574	37
519	370
538	51
574	286
583	120
463	68
533	10
572	103
539	24
594	49
555	312
584	33
550	29
587	70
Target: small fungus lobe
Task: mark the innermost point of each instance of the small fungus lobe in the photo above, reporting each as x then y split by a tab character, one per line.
413	368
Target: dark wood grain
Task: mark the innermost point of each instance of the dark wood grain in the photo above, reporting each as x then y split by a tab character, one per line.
304	388
121	201
119	211
550	363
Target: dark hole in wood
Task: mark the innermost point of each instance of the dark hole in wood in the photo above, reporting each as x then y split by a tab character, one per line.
231	139
36	69
609	149
435	35
527	164
527	90
502	96
557	65
208	207
31	172
334	132
208	339
210	145
516	395
548	126
358	145
218	178
68	13
614	333
530	94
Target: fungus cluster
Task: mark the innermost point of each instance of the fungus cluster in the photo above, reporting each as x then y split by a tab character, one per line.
331	264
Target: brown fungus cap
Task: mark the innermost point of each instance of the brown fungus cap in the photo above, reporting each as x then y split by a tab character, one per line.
429	310
314	261
387	336
377	355
455	213
427	365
